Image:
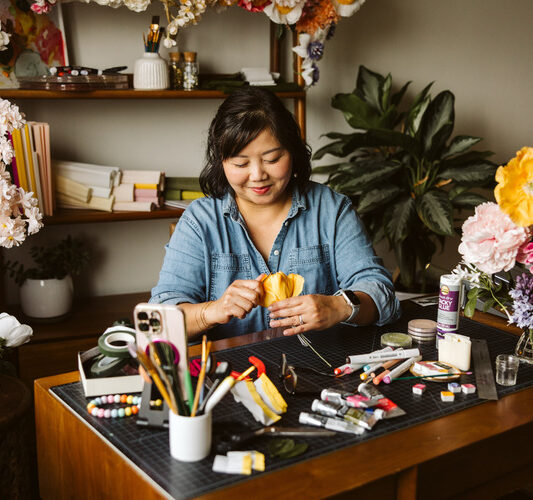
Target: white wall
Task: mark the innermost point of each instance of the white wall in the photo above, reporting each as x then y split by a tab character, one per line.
479	49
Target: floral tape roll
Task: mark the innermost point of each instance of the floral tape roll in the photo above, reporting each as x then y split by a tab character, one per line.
396	339
114	341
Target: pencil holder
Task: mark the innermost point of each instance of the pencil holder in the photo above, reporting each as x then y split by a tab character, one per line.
150	72
190	437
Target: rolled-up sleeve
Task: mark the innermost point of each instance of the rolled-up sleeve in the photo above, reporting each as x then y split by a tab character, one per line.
182	277
358	267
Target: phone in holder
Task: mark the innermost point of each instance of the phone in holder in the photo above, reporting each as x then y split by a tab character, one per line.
163	324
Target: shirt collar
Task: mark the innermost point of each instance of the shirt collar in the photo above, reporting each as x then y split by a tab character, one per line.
229	205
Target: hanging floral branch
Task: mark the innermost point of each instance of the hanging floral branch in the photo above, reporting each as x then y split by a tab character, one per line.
313	20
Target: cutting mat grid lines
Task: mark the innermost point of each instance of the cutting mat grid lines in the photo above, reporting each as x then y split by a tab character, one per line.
149	449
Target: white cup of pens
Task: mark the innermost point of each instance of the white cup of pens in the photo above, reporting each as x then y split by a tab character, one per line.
162	351
150	72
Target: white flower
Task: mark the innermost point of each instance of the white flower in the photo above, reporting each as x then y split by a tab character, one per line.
12	232
13	332
284	11
34	220
6	150
347	8
4	40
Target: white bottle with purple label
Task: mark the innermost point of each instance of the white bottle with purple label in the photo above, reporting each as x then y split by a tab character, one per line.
450	301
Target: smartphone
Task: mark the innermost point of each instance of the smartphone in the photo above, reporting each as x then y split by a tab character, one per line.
163	322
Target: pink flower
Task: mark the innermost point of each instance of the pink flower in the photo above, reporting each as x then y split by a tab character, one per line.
491	239
254	5
525	255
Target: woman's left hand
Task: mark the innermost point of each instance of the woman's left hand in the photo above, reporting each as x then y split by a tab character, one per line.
307	312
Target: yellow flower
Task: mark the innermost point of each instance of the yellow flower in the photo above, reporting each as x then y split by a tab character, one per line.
279	286
514	192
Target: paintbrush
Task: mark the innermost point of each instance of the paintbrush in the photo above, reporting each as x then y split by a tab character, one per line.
434	376
206	347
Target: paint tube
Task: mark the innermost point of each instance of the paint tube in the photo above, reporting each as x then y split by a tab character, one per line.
332	424
365	419
371	391
346	399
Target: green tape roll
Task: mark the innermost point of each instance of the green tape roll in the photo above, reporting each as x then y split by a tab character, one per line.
114	342
104	366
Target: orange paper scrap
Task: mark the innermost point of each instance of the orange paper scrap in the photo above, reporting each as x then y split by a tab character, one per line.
279	286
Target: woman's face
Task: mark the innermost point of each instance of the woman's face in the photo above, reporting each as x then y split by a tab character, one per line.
260	173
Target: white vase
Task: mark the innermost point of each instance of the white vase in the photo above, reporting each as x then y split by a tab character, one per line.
150	72
46	298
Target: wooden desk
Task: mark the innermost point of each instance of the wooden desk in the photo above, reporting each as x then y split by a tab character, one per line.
482	452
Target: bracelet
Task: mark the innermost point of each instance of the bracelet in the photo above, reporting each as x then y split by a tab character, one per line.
95	411
204	325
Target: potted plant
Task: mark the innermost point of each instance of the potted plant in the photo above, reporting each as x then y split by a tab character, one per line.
46	289
403	172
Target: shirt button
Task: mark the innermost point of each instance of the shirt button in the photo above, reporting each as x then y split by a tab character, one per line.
276	252
286	223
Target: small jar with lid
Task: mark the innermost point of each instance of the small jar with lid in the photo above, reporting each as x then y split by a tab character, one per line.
190	71
175	70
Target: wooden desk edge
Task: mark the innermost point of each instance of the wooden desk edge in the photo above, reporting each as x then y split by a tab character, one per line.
325	476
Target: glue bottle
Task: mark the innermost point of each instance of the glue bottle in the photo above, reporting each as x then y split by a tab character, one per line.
450	301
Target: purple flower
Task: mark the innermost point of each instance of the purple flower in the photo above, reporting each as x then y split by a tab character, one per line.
315	50
316	73
522	295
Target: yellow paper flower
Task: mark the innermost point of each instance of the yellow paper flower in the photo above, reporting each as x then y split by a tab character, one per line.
514	192
279	286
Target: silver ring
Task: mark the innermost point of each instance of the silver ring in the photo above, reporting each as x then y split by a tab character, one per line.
301	320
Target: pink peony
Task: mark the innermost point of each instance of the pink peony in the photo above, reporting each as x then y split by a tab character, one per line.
525	255
491	239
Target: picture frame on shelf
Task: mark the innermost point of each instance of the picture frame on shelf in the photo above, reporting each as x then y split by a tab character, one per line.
37	41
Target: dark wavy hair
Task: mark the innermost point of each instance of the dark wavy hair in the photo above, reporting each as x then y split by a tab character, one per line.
242	116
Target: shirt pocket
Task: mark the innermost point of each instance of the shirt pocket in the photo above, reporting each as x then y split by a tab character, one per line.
225	269
314	264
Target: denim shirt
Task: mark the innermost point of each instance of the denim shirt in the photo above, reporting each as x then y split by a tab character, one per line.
321	239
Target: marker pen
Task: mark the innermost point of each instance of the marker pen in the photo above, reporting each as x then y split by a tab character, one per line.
400	369
388	364
329	423
383	356
224	387
362	364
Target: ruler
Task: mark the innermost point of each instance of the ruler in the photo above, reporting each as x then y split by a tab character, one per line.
486	387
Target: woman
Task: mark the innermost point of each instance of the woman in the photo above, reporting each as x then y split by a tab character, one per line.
261	215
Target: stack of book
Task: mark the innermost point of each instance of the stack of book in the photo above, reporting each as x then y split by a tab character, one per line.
84	185
180	191
31	166
140	190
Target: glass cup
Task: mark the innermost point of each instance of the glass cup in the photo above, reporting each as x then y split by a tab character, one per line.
506	369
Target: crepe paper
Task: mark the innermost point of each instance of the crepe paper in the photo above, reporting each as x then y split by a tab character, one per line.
279	286
454	387
237	464
258	459
245	392
419	389
468	388
270	394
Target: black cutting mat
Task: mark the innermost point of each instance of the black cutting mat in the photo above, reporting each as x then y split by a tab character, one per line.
149	449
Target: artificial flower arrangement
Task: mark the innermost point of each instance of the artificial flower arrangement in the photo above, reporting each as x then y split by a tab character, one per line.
498	238
313	20
19	211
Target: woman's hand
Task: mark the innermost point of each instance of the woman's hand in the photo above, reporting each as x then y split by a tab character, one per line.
308	312
237	301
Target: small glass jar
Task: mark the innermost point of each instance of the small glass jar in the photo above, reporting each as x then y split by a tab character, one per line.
175	70
190	71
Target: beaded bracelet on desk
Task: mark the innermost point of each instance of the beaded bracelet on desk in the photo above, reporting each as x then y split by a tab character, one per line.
95	411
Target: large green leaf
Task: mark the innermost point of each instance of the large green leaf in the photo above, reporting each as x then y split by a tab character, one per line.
466	158
330	169
397	97
369	87
399	219
358	113
336	148
435	210
375	198
417	109
338	135
474	174
369	173
468	200
437	123
460	144
384	138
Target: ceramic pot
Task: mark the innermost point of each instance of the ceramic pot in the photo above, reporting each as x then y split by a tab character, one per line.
46	298
150	72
